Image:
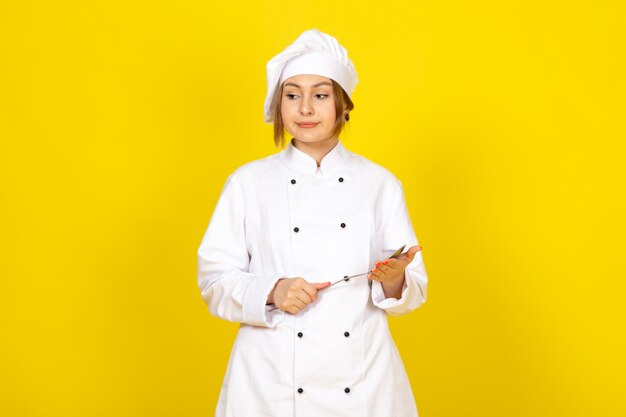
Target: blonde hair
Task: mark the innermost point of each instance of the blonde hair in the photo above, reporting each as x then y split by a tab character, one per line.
342	100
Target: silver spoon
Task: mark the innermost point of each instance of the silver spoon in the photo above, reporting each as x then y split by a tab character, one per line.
395	255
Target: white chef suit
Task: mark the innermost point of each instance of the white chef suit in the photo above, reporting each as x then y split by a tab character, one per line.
283	216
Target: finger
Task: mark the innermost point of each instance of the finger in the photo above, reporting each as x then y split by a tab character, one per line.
378	271
382	266
312	289
301	305
410	254
286	307
392	264
413	250
304	298
373	276
299	300
293	310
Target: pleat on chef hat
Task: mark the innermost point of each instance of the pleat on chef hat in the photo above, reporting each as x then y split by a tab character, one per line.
314	52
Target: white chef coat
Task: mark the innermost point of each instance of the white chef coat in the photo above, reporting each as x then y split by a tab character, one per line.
283	216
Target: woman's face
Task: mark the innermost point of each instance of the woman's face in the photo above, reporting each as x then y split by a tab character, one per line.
308	107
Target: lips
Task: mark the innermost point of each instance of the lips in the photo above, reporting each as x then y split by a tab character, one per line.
307	124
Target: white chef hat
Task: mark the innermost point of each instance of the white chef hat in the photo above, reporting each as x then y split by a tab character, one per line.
314	52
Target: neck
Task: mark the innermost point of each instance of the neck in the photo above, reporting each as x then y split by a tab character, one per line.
316	150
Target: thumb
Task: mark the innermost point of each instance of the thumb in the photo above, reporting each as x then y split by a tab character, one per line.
320	285
412	251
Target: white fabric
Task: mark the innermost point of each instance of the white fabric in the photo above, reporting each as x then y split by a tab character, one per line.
313	52
250	243
318	64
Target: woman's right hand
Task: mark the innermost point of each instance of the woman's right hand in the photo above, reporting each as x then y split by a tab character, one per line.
294	294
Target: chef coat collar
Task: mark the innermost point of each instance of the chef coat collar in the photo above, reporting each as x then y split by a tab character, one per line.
306	164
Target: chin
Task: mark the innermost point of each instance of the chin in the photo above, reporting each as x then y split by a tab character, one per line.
310	138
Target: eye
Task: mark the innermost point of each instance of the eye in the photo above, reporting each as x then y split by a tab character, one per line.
323	96
291	96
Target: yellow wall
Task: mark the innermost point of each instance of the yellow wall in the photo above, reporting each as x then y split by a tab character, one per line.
120	121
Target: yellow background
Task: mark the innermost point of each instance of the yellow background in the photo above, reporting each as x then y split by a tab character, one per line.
120	121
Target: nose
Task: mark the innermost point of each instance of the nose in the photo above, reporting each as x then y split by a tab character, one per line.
306	106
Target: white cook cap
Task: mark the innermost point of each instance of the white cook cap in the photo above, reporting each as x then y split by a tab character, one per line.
313	52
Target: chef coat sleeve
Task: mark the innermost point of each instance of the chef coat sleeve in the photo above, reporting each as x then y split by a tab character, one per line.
396	231
230	291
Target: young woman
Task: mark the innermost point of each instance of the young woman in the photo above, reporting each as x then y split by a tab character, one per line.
288	226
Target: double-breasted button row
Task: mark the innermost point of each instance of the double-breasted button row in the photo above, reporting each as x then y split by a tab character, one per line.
346	390
346	334
293	181
297	229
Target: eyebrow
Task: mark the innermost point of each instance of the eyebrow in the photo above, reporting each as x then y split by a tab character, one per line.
314	85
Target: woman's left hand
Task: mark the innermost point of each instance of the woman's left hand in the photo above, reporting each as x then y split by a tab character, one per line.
390	272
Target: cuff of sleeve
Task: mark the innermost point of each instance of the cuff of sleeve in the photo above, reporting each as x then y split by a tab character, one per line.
255	310
392	306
